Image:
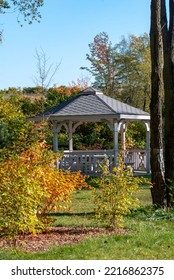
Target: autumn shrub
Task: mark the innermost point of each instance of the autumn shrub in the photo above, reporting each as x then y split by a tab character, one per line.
115	196
15	132
31	187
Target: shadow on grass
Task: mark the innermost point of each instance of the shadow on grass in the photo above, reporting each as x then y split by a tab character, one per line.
153	213
79	214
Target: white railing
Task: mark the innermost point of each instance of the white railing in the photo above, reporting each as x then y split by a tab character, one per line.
136	158
89	162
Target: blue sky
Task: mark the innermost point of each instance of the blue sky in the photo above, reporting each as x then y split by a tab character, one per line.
65	30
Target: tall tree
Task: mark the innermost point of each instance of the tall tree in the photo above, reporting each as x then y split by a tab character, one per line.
103	63
168	43
157	159
122	70
45	70
45	73
162	55
134	70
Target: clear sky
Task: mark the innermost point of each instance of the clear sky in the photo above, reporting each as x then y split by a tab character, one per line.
64	33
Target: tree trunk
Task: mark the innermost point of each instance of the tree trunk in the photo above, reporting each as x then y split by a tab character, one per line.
157	160
168	44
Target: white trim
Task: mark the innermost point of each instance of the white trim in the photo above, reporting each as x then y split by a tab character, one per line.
97	118
134	117
76	125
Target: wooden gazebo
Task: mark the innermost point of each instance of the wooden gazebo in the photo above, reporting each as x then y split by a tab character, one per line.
91	105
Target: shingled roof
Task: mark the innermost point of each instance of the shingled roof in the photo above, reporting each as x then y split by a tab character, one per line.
92	102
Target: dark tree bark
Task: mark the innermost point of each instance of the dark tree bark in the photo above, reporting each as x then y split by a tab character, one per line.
168	46
157	159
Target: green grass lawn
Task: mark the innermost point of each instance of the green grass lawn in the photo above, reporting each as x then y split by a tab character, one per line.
150	234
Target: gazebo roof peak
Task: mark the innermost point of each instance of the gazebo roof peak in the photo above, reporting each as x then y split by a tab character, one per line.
90	90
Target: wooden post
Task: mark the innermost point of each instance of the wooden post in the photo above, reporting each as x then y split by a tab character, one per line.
115	143
123	137
70	132
55	130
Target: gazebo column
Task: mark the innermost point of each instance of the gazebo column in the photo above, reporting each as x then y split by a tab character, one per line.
116	143
123	136
55	130
70	129
55	141
70	133
147	147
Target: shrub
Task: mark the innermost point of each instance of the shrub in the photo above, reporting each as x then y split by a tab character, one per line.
15	132
30	188
115	196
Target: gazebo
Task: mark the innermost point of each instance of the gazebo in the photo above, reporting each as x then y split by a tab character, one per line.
91	105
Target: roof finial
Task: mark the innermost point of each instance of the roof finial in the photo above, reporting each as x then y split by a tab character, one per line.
90	90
